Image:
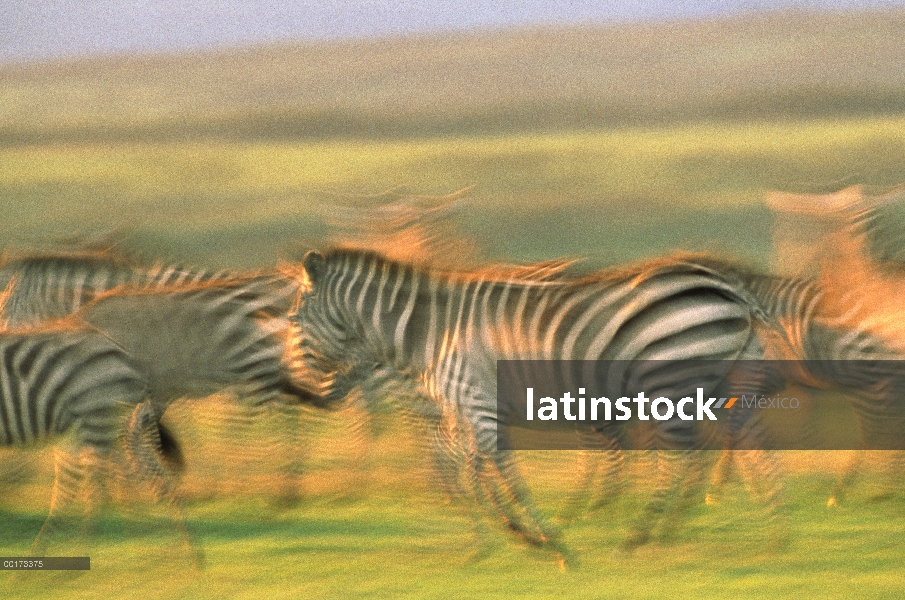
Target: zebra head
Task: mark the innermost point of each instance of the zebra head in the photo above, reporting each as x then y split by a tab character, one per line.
328	343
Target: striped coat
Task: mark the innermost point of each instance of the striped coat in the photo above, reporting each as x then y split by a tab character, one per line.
448	329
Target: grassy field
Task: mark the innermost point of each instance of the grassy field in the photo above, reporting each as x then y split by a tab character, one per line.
606	143
386	535
610	195
614	142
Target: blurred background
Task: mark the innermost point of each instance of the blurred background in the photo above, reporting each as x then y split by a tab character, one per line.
234	134
218	132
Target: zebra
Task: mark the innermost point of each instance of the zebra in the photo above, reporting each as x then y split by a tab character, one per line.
867	256
192	342
41	287
448	328
61	378
47	286
812	342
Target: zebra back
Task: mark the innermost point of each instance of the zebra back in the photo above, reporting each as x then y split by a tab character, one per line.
363	307
195	341
49	286
59	377
44	287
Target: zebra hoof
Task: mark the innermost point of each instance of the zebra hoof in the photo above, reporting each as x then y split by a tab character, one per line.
200	560
632	542
566	560
286	501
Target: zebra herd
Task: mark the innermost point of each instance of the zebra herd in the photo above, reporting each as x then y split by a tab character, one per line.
99	346
102	347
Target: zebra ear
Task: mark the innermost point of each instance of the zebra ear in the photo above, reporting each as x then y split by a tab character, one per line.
315	266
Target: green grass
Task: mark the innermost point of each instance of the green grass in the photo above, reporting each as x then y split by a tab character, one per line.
612	194
717	163
371	527
398	542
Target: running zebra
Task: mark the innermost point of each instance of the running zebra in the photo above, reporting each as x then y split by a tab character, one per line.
193	342
44	287
448	329
59	379
813	342
848	343
863	279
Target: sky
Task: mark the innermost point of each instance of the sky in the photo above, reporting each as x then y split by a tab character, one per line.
40	29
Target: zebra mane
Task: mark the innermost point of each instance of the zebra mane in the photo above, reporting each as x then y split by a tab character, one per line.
556	271
57	325
542	272
676	262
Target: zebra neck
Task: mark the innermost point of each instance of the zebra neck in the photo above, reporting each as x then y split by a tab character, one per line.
407	317
388	306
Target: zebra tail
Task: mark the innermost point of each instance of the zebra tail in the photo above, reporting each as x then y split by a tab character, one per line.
171	450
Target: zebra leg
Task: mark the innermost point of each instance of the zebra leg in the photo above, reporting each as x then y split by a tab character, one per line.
69	479
356	422
846	479
447	460
288	448
97	469
689	492
510	493
892	466
722	472
479	507
601	459
880	426
672	467
455	471
496	501
747	435
889	467
142	445
496	485
763	474
680	476
16	466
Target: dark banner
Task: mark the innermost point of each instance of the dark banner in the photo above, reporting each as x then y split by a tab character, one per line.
45	563
706	405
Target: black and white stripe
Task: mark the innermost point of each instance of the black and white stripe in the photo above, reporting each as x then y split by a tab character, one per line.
63	379
448	329
826	344
43	287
